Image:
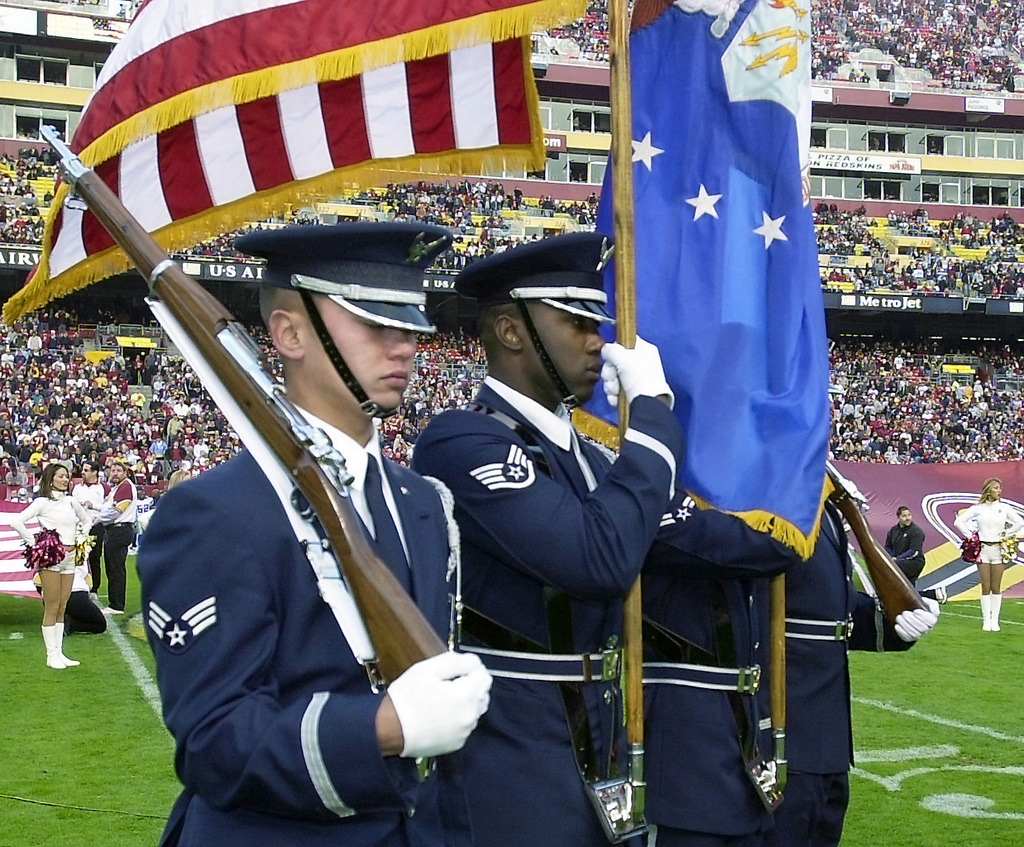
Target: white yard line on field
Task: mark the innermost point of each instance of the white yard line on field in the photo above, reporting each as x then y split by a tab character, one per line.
913	713
142	676
1003	623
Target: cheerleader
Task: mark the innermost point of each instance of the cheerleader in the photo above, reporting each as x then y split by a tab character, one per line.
994	521
53	552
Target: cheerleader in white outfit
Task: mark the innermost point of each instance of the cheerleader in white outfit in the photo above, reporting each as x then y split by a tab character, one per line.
55	510
993	520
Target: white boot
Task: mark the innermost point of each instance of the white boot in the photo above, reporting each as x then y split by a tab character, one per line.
68	663
986	615
53	655
995	603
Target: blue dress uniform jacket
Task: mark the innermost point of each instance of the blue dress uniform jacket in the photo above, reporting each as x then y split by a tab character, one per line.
819	739
522	533
272	717
705	581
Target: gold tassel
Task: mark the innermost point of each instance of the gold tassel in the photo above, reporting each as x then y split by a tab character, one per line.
781	530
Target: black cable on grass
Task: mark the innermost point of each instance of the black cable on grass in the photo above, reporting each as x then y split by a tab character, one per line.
80	808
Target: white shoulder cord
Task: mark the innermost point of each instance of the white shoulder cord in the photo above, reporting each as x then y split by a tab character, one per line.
454	559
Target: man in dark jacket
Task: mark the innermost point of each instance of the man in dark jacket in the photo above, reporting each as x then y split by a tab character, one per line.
905	543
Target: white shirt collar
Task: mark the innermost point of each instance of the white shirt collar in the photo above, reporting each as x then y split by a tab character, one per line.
554	426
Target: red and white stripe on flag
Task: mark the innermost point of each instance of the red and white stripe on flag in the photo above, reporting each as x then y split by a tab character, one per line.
209	115
14	578
431	107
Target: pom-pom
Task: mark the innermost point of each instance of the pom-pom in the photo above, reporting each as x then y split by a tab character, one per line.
970	550
84	542
46	552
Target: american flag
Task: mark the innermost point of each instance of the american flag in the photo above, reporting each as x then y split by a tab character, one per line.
14	579
209	115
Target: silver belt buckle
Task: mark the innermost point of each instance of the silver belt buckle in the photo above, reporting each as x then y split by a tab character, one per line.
844	629
605	668
749	680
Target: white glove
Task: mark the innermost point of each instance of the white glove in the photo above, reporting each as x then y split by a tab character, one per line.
911	625
439	702
637	371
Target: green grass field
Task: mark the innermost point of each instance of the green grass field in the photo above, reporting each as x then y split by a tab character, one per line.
939	733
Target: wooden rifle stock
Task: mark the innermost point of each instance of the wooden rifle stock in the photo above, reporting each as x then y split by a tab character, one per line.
399	633
895	592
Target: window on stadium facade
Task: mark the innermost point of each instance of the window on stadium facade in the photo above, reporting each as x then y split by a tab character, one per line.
883	189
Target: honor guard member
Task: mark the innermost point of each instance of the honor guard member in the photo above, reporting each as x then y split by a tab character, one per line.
825	617
708	741
553	535
280	738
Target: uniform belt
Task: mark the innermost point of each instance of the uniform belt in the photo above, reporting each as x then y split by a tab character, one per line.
550	667
691	665
810	630
513	656
742	680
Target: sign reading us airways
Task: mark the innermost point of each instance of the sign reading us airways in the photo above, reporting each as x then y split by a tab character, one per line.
223	270
13	258
865	162
203	268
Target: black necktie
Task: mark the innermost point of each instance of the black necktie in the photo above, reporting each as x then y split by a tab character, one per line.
387	541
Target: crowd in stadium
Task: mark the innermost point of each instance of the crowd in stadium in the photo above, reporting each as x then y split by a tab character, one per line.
955	45
891	403
960	45
477	212
931	266
909	404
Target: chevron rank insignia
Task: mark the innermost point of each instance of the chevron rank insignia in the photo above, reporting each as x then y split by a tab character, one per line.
177	634
516	471
679	513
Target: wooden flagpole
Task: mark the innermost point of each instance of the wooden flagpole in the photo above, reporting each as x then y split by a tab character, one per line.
625	314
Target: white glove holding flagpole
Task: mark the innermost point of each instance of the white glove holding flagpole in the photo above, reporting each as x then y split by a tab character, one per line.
637	371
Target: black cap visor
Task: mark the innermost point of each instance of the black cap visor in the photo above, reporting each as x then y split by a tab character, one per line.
585	308
404	316
397	308
580	300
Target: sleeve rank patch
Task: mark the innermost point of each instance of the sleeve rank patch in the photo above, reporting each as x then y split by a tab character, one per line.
516	471
177	634
679	513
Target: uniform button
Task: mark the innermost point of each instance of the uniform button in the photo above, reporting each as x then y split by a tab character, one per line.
757	645
608	696
410	813
750	600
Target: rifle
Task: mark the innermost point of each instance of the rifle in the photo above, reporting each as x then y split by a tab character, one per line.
895	592
399	633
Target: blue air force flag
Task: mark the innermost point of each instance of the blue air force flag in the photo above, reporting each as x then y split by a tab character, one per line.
727	268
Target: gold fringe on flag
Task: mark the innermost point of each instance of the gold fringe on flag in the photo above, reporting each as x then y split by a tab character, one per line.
781	530
42	289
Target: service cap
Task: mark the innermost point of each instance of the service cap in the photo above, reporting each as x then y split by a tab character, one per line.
374	270
564	271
